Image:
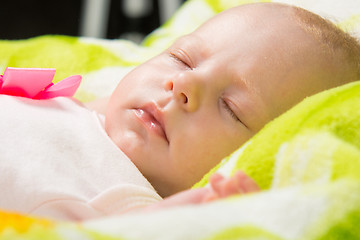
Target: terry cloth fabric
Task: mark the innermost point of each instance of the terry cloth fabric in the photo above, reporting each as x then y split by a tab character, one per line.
57	161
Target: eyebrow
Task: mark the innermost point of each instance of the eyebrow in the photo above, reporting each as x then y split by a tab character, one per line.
250	107
258	111
179	42
190	42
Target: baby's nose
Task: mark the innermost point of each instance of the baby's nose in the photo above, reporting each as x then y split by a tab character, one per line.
186	91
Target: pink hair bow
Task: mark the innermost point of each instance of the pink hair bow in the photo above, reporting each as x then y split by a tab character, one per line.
36	83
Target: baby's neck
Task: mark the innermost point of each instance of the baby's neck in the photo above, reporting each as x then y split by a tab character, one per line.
98	105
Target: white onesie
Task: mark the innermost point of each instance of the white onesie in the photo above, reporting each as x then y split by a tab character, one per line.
57	161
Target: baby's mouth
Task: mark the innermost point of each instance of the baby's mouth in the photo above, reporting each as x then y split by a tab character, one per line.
150	116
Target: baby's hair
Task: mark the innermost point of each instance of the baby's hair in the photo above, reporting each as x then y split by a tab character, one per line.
334	40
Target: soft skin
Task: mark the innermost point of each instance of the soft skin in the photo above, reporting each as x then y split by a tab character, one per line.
177	115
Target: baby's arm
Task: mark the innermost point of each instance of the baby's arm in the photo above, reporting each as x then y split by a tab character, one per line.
220	187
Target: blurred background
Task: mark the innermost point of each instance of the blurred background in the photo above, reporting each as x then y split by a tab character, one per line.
129	19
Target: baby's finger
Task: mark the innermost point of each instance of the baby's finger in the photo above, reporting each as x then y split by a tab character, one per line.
210	196
225	186
230	187
215	182
245	183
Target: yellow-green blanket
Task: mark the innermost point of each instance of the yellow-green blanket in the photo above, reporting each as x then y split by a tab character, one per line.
307	161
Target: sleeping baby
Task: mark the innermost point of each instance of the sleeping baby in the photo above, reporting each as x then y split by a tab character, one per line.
171	119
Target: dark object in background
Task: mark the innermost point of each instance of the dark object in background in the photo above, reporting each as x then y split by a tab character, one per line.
122	24
21	19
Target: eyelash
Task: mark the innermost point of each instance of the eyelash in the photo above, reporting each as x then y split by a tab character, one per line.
230	111
179	60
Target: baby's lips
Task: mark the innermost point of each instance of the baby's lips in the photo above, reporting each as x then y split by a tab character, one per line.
65	88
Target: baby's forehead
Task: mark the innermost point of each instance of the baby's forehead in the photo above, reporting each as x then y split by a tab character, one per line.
257	17
253	9
236	26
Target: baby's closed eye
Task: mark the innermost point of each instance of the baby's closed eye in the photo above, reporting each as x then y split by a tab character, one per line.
229	110
180	58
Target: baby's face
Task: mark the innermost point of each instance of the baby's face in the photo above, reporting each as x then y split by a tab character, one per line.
177	115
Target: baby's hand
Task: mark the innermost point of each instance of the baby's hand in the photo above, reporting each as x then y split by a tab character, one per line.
222	187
